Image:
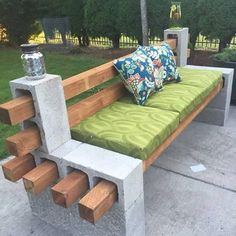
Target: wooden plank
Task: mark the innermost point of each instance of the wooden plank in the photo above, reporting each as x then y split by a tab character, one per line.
94	103
24	142
17	110
184	124
84	81
70	188
38	179
14	169
98	201
172	43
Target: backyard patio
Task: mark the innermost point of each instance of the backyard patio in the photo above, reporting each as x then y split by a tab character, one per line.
117	118
199	204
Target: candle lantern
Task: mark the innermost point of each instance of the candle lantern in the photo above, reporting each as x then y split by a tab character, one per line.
175	15
33	62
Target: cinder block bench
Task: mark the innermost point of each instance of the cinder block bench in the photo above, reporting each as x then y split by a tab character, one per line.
96	176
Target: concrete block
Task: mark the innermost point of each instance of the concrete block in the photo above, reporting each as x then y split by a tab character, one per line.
50	108
57	155
126	172
221	103
182	44
127	216
113	223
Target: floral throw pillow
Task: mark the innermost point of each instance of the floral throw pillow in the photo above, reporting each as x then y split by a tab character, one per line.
139	75
162	56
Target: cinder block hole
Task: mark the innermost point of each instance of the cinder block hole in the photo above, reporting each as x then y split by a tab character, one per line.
22	92
96	180
69	169
28	123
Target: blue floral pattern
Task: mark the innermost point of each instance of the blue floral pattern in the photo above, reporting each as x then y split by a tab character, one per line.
163	58
139	75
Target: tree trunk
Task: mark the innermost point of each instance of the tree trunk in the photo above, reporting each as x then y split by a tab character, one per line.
63	37
143	6
224	42
193	39
116	41
79	40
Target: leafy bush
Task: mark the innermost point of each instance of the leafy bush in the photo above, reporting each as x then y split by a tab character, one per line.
18	17
228	55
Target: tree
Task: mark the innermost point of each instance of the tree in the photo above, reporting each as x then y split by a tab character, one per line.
101	19
158	16
191	15
218	20
19	19
74	10
129	19
144	20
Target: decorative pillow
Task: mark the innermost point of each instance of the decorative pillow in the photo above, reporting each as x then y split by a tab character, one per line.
162	56
139	76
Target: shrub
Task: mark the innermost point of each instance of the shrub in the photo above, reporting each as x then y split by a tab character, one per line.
228	55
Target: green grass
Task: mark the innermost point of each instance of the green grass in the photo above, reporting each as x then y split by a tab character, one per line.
10	69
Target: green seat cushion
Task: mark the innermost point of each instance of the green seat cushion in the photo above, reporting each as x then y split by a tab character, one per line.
205	79
184	96
126	128
175	97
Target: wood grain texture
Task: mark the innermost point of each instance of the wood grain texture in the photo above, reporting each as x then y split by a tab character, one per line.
14	169
24	142
38	179
17	110
94	103
70	188
20	109
172	43
184	124
84	81
98	201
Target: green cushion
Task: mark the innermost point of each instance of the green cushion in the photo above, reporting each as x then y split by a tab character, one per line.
205	79
184	96
175	97
126	128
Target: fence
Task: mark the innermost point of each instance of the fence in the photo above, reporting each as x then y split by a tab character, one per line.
126	42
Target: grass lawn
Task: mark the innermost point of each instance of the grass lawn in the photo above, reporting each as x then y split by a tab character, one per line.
10	69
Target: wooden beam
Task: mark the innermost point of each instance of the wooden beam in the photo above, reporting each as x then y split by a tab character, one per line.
98	201
94	103
70	188
38	179
84	81
24	142
172	43
184	124
17	110
14	169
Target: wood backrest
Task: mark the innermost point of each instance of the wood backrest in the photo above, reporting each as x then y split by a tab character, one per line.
20	109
